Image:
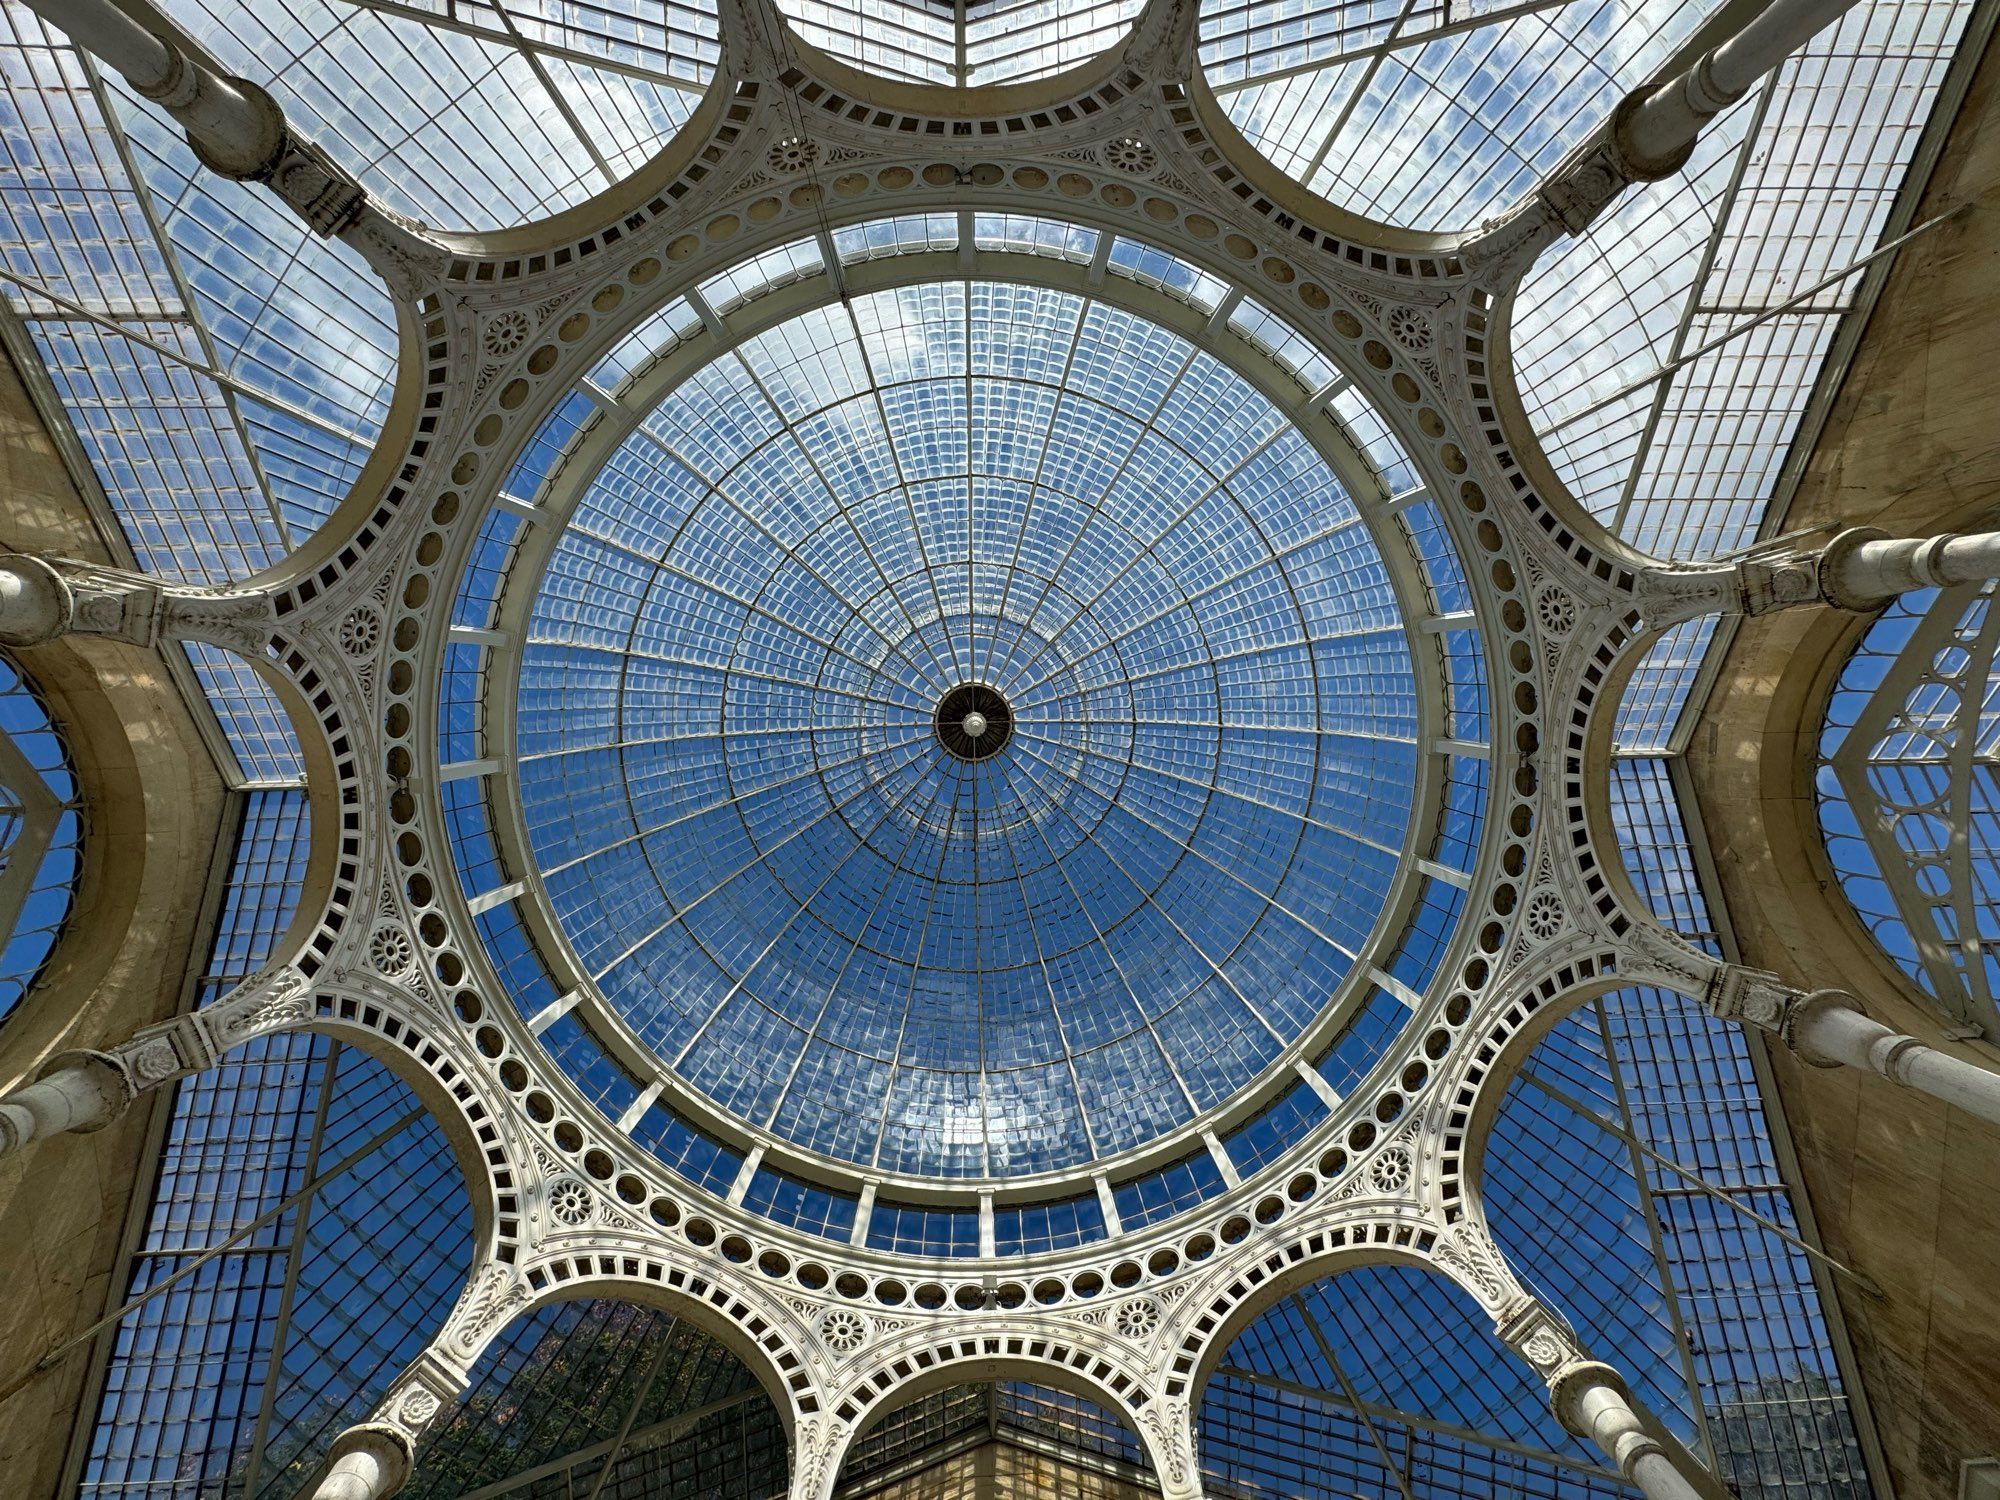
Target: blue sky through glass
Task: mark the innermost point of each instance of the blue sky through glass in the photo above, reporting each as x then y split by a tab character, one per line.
805	903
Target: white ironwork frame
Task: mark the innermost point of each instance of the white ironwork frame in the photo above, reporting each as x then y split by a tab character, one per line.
1925	696
33	812
355	627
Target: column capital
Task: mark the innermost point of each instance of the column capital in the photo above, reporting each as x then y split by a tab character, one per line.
1755	997
1538	1336
368	1462
1569	1385
41	598
1590	178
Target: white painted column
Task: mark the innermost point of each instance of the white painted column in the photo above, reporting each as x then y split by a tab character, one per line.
237	131
35	603
1655	135
1828	1029
369	1462
86	1093
1864	567
1591	1400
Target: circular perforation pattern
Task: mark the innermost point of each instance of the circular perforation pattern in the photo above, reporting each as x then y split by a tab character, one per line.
571	1203
505	333
1127	153
1138	1318
1555	607
390	950
1391	1170
360	631
1544	915
792	153
1411	328
843	1330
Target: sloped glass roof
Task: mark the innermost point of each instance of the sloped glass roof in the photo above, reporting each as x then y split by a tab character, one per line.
980	42
1668	355
1479	101
473	114
831	910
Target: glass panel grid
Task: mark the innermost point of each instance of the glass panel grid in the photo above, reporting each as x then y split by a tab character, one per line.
1908	788
785	883
1787	187
41	834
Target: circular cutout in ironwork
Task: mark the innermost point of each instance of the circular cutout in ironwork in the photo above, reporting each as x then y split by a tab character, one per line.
973	721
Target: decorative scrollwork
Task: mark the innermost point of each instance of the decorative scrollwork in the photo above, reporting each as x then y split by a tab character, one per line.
494	1297
285	1001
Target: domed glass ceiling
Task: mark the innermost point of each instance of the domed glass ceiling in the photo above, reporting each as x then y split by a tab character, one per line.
967	731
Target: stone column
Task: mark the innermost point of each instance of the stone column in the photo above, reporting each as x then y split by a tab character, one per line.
1864	568
36	605
1592	1401
83	1091
368	1462
1828	1029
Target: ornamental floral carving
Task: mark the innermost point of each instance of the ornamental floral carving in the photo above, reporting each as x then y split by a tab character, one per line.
495	1296
280	999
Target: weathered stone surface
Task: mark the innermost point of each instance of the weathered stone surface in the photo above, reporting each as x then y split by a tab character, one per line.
1905	1190
156	819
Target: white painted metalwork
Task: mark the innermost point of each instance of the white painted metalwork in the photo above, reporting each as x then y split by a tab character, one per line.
1377	348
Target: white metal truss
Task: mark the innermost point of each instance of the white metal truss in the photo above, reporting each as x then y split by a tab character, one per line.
386	955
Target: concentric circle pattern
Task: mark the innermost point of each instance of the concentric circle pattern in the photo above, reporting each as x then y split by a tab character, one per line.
792	891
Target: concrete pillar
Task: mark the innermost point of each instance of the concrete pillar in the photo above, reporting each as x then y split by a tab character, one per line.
1657	131
368	1462
1828	1029
1591	1400
36	605
85	1092
1863	568
235	127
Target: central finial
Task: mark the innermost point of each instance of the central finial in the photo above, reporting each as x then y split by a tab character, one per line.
973	721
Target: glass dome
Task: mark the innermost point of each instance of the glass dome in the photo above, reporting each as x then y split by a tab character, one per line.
967	731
